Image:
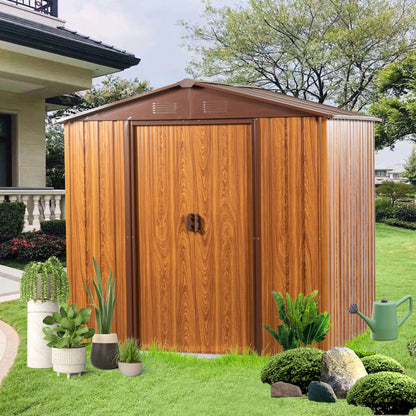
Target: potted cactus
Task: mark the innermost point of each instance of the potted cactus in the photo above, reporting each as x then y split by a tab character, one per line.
66	338
104	348
129	358
43	287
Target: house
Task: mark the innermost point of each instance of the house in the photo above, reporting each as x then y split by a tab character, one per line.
389	173
41	62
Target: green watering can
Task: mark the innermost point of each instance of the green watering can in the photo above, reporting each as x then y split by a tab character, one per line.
384	325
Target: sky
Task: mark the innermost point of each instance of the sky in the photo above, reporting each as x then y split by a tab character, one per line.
149	29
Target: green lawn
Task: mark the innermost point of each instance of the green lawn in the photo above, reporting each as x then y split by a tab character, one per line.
173	385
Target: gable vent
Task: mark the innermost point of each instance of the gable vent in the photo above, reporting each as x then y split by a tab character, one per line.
214	106
164	108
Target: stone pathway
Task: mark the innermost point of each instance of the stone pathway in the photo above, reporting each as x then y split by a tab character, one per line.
9	340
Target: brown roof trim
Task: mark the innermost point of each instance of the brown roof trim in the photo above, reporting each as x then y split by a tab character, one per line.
254	93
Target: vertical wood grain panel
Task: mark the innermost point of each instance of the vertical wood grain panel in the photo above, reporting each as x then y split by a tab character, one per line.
120	230
77	214
164	193
223	195
96	219
351	224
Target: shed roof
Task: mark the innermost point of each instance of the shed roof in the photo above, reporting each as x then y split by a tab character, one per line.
263	100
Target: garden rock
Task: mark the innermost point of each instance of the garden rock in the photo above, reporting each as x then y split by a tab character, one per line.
281	389
341	368
318	391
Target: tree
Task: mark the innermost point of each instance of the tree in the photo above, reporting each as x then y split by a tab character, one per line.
55	163
395	103
323	50
395	191
112	88
410	167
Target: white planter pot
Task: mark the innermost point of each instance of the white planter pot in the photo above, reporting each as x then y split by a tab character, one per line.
130	369
69	360
39	355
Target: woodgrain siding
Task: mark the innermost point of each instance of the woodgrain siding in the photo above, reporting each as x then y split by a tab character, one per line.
318	218
351	245
293	233
95	190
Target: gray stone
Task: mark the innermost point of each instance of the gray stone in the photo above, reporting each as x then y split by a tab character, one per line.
318	391
281	389
341	368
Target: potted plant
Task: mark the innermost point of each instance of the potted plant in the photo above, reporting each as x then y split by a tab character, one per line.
43	287
104	346
66	337
129	358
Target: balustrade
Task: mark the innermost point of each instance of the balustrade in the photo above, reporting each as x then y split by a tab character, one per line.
41	204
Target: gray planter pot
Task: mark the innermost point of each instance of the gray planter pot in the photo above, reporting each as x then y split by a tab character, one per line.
130	369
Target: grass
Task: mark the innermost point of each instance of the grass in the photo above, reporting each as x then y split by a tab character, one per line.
176	385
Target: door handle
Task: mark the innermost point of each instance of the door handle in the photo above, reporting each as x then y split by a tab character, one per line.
190	222
197	223
193	222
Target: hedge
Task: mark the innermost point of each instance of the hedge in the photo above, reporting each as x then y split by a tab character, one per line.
11	220
54	227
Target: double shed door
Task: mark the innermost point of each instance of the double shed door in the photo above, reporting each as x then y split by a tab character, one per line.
195	288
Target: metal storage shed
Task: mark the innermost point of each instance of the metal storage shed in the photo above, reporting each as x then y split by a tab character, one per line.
204	198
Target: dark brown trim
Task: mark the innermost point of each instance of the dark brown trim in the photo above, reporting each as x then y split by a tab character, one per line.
134	242
191	122
257	272
129	246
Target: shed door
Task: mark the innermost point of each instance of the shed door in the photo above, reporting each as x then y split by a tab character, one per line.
195	289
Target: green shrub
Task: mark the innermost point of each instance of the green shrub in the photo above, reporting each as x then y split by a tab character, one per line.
12	216
364	353
402	224
298	366
384	209
378	362
385	393
55	227
406	212
302	325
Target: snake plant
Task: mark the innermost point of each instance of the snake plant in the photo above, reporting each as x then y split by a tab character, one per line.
105	310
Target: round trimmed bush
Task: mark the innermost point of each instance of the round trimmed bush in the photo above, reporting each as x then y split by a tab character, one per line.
365	353
385	393
377	363
298	366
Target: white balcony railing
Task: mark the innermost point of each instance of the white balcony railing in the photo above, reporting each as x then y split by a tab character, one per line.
41	204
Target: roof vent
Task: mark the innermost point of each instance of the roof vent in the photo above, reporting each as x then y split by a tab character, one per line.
164	108
214	107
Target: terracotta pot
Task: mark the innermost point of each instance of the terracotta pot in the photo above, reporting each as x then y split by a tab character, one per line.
130	369
104	351
69	360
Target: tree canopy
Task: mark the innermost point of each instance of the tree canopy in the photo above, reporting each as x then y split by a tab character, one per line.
410	167
395	103
112	88
395	191
322	50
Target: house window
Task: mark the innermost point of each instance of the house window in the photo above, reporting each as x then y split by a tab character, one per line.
5	150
